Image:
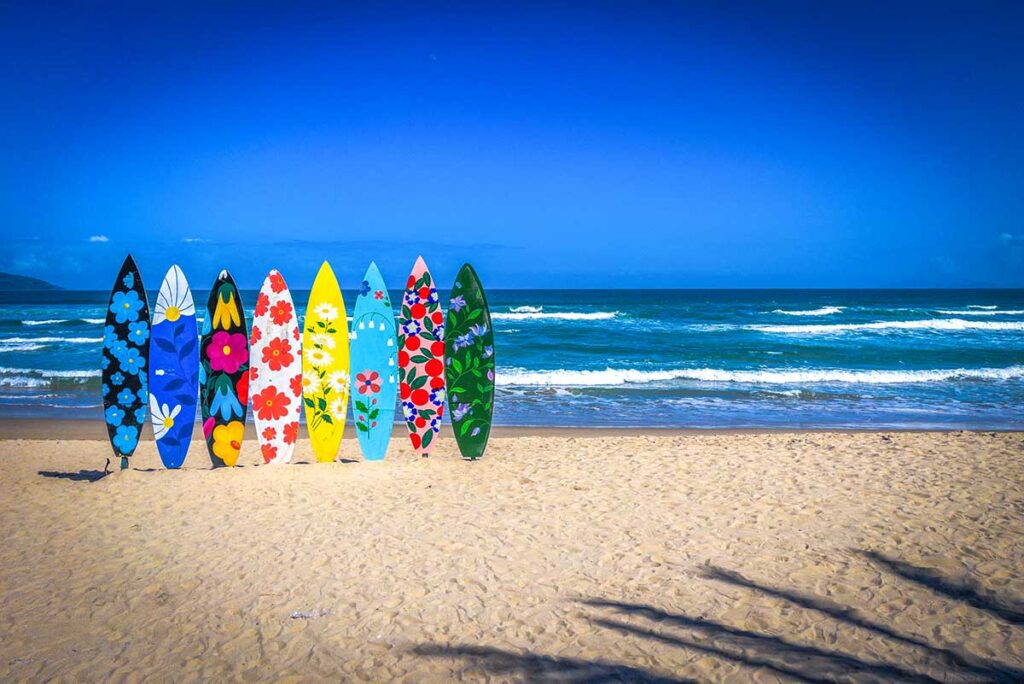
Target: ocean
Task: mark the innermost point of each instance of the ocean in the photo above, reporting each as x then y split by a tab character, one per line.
651	358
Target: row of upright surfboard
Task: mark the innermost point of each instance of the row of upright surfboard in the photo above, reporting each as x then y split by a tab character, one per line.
160	365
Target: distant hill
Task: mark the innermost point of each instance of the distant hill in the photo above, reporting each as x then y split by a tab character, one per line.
10	281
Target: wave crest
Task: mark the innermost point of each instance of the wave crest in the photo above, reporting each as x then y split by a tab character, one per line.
935	324
823	311
555	316
776	376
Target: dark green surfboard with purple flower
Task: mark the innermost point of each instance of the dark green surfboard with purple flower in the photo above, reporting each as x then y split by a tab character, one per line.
469	364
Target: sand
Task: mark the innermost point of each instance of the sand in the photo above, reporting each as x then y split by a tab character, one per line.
571	556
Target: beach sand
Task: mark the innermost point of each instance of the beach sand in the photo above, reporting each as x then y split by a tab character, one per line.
563	555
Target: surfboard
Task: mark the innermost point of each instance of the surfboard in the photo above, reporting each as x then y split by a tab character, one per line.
469	364
374	365
421	358
123	365
325	378
173	369
275	370
224	372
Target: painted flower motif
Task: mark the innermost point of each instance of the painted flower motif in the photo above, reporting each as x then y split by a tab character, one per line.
281	312
378	294
126	397
488	353
368	381
117	379
408	410
225	314
325	312
310	384
225	403
296	384
143	394
337	408
138	332
254	373
114	415
460	411
118	349
175	298
269	452
104	362
269	433
479	329
463	341
323	340
318	358
208	427
227	352
132	361
437	396
141	414
490	374
129	280
242	389
109	336
163	416
227	441
270	404
364	288
278	354
277	283
262	304
456	303
291	433
338	381
125	306
255	337
126	438
411	328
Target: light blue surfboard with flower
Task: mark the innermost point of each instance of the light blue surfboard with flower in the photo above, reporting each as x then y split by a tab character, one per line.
174	369
373	361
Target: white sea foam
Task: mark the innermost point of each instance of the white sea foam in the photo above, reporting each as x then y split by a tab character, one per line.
21	347
776	376
980	312
50	340
982	306
94	321
823	311
555	316
46	373
526	309
51	321
937	324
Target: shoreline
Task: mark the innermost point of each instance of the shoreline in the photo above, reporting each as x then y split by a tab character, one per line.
77	430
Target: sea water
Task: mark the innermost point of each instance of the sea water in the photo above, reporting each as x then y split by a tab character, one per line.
651	358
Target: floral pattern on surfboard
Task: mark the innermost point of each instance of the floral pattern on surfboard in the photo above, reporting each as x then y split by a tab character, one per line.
374	364
124	388
275	370
421	349
325	379
174	369
224	372
469	364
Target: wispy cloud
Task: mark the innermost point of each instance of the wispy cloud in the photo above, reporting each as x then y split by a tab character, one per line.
98	238
195	241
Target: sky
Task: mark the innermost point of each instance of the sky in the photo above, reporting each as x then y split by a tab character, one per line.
556	145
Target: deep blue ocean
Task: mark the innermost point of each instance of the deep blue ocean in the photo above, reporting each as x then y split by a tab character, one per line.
651	358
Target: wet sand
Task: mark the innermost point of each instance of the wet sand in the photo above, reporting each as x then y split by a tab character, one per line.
567	555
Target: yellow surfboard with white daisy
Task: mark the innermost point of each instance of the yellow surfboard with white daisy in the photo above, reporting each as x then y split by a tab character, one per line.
325	365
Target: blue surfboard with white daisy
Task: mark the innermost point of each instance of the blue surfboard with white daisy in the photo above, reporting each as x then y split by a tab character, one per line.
174	369
374	361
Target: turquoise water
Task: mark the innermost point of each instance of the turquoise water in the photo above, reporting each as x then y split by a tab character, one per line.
668	358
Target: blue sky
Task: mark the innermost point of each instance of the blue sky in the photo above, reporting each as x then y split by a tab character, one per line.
630	144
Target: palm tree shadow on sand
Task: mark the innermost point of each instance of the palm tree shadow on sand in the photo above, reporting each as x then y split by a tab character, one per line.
782	656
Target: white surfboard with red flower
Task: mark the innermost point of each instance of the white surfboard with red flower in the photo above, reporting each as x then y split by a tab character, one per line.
421	358
275	371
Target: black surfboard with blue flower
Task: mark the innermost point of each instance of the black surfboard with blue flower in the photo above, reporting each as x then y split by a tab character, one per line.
124	363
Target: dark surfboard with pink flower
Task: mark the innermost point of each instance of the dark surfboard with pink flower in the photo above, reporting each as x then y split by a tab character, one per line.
224	372
421	358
